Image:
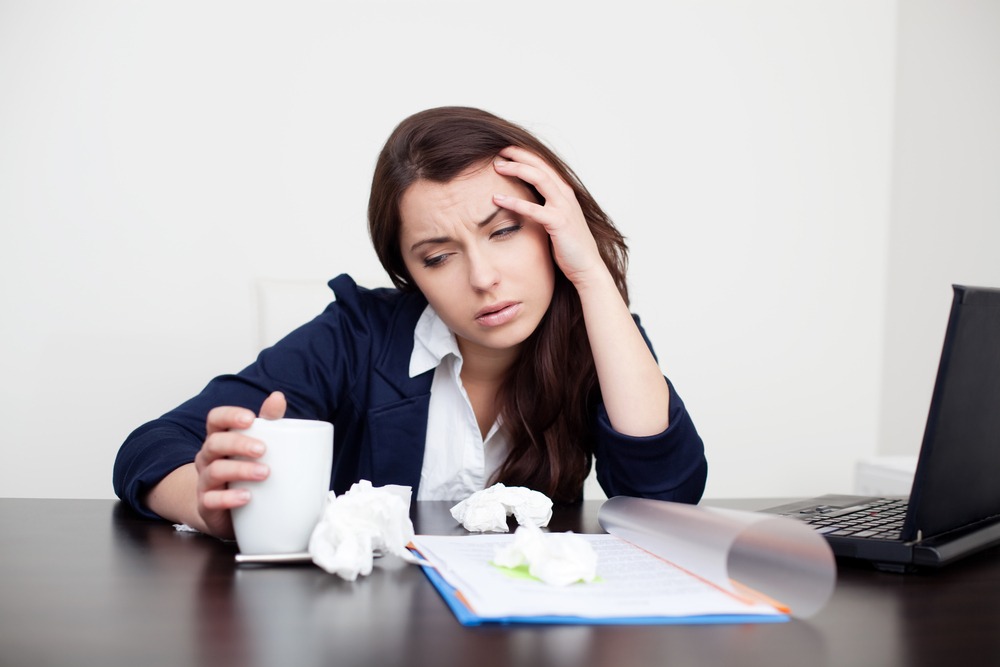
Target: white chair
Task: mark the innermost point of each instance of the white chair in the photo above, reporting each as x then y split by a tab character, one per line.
884	475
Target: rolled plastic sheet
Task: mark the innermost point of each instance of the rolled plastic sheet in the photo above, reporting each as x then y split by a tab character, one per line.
779	558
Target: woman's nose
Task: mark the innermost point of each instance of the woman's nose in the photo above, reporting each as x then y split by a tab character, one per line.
483	273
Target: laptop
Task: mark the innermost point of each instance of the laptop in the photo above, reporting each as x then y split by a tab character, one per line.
953	509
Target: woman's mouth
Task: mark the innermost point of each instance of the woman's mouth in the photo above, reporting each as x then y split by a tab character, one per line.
498	313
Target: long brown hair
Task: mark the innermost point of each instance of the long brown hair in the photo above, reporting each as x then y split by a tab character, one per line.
546	401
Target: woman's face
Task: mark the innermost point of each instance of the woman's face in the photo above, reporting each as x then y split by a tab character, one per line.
486	271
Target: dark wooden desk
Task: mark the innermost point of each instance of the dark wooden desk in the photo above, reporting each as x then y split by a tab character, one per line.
86	583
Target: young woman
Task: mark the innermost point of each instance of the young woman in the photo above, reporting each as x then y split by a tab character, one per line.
506	352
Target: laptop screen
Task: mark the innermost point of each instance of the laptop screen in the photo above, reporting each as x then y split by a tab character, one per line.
957	481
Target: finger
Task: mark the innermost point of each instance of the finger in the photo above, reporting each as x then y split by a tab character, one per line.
225	499
274	406
518	154
225	444
228	417
529	173
527	209
545	180
224	471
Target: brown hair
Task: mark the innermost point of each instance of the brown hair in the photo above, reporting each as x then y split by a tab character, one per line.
546	401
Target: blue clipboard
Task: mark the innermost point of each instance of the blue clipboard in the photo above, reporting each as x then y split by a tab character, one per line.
469	618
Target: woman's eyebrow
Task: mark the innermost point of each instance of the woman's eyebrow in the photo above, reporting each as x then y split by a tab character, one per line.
444	239
489	218
436	239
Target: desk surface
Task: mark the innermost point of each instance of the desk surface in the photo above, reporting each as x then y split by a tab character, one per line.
84	582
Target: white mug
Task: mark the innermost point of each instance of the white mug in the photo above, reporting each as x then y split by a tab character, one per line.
284	508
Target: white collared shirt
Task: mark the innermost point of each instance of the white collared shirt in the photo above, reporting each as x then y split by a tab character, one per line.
457	460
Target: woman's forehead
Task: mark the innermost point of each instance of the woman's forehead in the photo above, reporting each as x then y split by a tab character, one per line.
466	199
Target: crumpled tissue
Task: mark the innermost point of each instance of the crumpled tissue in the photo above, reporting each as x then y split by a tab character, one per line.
356	524
487	510
555	558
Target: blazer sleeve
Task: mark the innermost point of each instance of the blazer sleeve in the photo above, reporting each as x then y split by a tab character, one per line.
314	365
668	466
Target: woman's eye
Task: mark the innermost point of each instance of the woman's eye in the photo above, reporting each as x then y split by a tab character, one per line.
435	260
506	231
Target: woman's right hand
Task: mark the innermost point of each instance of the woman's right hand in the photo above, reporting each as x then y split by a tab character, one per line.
216	468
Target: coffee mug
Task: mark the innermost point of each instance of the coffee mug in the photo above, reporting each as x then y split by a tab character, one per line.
284	508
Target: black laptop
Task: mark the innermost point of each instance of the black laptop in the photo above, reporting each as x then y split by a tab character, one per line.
954	505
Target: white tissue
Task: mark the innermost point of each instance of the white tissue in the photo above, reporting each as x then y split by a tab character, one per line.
555	558
487	510
353	526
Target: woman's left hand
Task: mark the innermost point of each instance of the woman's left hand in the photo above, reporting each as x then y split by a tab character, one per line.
573	245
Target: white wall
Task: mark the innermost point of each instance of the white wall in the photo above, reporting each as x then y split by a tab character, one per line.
945	224
157	160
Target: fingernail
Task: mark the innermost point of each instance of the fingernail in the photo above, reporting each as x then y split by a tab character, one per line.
243	495
500	162
257	448
260	471
499	197
244	418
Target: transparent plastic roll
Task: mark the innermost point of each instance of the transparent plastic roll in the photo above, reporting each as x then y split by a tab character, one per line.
745	553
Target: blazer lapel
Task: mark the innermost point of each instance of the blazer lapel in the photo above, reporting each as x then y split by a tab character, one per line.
397	416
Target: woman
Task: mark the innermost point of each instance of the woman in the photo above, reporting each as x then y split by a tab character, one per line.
507	351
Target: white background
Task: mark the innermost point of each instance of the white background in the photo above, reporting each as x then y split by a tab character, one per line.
800	181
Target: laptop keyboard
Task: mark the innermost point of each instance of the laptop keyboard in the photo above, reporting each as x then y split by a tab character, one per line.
879	520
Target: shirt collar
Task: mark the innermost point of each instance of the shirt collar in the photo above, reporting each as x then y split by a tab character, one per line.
432	342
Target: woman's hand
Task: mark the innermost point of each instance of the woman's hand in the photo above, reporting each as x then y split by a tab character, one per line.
573	246
634	391
197	493
216	468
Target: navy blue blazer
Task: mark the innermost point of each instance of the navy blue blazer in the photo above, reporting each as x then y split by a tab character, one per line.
350	366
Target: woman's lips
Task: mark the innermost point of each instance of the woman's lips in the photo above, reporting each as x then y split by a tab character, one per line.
497	314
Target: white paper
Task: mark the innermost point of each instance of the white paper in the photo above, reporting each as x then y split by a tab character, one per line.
630	583
355	525
487	510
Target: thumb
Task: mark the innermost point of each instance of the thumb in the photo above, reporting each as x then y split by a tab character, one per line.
274	406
